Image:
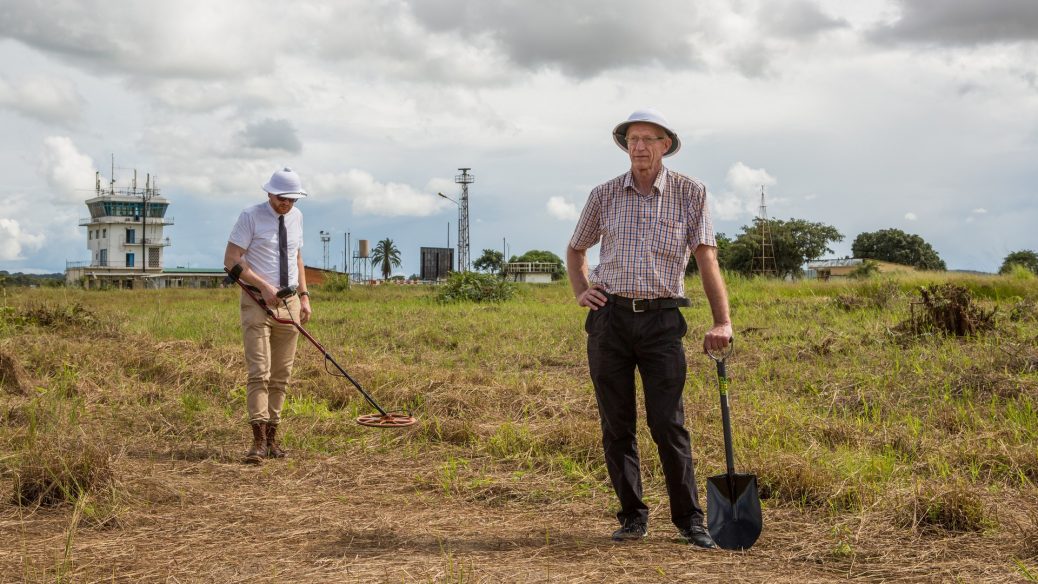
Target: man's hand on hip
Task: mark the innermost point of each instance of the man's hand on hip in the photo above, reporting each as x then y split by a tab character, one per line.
593	298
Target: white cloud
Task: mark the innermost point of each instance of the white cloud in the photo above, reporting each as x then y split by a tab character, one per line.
409	90
192	38
562	209
271	134
48	99
68	171
13	240
371	197
980	211
743	195
911	216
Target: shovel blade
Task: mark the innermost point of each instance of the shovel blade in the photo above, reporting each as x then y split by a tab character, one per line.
733	510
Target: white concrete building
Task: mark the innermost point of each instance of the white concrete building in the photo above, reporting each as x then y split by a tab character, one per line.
125	236
530	272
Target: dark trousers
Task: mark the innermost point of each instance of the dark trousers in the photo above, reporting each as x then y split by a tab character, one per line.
619	341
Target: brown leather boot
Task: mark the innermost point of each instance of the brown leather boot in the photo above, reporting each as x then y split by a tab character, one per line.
274	449
259	443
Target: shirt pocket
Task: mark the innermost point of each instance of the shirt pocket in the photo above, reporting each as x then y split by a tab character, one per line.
669	239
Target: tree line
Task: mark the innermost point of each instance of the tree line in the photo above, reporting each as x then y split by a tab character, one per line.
795	242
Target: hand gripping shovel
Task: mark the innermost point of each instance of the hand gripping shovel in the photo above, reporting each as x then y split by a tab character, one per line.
733	505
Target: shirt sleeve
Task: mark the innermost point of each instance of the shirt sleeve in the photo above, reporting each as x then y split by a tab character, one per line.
700	225
241	234
589	228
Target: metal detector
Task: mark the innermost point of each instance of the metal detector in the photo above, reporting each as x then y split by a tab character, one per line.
383	419
733	505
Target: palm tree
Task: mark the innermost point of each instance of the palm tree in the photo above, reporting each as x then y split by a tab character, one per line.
388	255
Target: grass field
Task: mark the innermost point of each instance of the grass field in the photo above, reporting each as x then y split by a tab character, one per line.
885	452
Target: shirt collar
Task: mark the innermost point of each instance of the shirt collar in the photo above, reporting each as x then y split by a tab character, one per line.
273	213
657	185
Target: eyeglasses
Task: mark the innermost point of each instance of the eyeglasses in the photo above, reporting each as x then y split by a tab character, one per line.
646	140
284	199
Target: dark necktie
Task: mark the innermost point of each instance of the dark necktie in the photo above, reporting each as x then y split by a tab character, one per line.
282	252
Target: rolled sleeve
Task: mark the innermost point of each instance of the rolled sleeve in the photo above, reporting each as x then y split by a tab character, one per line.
700	225
242	233
589	228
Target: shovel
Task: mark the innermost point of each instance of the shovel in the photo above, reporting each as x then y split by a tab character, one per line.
733	505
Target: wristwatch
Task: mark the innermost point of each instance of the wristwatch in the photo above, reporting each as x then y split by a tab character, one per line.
303	293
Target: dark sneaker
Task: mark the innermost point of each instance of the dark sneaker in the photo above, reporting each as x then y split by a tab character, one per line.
631	532
698	536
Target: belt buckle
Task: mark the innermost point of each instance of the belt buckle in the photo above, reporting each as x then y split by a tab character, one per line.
634	304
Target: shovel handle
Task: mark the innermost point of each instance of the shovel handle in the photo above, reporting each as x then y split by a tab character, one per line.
726	421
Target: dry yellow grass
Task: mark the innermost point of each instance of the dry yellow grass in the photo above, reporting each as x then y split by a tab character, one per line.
884	459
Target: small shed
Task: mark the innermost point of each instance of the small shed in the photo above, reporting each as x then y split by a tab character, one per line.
843	268
530	272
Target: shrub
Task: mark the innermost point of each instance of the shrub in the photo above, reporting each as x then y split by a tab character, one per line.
335	283
473	287
949	309
1019	272
866	270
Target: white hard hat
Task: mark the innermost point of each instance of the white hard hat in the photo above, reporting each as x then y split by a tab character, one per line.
285	183
649	116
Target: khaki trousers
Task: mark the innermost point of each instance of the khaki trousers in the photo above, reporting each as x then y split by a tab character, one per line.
270	349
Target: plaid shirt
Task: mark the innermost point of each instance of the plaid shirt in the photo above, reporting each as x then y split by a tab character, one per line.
646	239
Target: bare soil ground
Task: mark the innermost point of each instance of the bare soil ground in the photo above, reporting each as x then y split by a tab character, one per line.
372	516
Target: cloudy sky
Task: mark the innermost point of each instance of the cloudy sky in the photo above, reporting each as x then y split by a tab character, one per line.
920	115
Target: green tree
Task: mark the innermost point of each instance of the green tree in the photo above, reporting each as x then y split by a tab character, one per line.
795	242
1024	257
724	244
894	245
386	256
491	261
536	255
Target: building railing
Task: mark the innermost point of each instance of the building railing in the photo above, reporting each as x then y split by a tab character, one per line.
149	241
84	221
108	265
531	267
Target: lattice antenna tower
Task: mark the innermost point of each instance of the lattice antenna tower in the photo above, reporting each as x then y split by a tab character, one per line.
764	264
464	179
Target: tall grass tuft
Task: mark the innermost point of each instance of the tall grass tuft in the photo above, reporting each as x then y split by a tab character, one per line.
13	378
61	469
951	507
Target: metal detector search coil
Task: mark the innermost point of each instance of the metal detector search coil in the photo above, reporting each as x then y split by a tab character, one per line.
383	419
389	420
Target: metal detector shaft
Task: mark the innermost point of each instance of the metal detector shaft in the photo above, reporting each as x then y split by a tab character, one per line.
310	338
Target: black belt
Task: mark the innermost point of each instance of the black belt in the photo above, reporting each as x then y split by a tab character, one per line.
643	304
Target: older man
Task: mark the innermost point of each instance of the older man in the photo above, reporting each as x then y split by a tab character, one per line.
265	251
648	221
